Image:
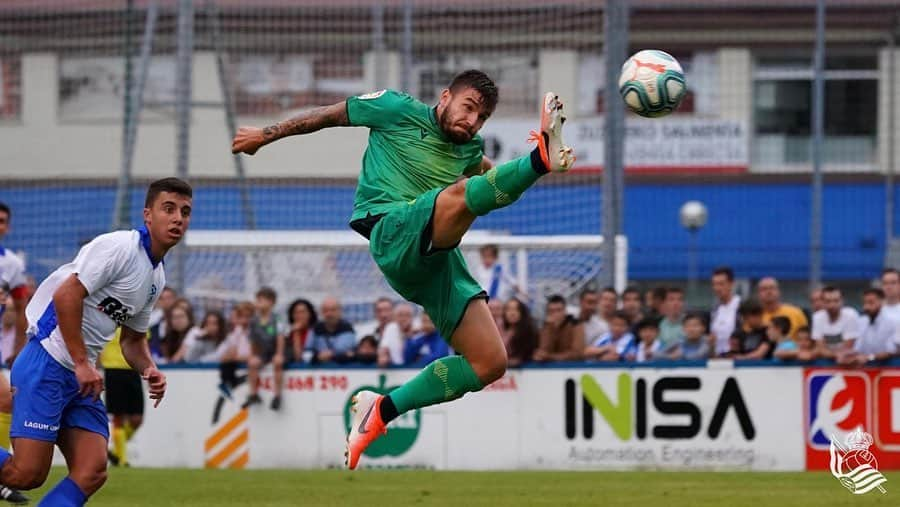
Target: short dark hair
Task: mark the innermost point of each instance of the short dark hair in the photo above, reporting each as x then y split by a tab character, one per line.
490	248
646	322
267	293
659	293
586	291
481	83
556	298
619	314
673	290
782	323
370	339
750	307
610	290
887	271
694	316
5	209
830	288
631	289
803	329
724	270
875	291
174	185
383	299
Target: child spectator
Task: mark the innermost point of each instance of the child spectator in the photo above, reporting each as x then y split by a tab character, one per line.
267	346
648	345
618	344
696	344
785	347
201	345
367	350
754	340
426	346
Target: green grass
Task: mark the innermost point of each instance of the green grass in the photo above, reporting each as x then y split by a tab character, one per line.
181	487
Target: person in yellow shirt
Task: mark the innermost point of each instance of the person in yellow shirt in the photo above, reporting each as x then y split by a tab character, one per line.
769	295
124	399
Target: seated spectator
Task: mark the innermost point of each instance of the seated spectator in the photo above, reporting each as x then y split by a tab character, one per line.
877	339
266	346
383	310
235	349
201	345
778	332
367	350
397	333
179	320
562	337
333	338
670	330
302	318
835	328
654	299
588	305
426	345
631	304
618	344
769	296
647	347
696	344
519	333
753	339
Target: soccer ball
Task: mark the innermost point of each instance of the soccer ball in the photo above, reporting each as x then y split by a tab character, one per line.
652	83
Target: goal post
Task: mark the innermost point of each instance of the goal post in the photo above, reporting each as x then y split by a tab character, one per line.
230	265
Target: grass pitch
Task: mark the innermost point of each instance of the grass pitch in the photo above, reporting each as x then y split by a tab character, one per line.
181	487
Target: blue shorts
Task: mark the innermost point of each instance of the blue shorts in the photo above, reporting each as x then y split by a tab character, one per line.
46	398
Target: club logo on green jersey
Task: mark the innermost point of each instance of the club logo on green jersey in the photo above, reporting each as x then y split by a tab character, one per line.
372	95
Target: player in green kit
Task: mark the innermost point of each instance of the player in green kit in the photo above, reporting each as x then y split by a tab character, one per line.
424	180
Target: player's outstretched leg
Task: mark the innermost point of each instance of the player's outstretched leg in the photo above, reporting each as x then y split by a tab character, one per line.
483	361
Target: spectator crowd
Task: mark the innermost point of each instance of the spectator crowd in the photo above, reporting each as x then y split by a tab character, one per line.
601	326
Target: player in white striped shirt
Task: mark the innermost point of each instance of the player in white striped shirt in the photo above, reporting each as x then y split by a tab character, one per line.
114	281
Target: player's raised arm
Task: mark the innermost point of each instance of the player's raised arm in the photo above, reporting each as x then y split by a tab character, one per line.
68	299
136	351
250	139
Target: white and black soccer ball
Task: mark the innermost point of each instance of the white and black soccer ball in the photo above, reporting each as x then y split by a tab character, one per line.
652	83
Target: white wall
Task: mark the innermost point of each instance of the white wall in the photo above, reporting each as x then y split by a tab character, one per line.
41	145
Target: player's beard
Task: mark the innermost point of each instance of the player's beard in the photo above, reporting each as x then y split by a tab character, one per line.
446	125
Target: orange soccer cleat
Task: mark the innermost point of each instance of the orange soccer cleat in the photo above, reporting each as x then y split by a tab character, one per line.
365	426
557	157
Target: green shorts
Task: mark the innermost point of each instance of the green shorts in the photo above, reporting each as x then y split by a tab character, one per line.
439	280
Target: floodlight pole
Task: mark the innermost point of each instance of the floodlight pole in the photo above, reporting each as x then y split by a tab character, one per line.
615	48
818	124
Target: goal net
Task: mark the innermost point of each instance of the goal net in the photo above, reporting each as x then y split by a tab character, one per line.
226	266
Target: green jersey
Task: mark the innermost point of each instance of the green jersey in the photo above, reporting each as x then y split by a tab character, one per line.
408	153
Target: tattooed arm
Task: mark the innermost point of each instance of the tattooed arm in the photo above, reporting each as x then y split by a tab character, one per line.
249	139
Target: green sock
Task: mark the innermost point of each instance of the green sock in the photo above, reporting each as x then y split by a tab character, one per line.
501	185
445	379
